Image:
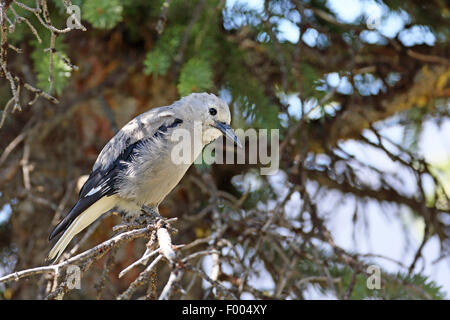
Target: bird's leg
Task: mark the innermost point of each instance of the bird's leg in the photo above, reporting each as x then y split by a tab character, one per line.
152	212
144	217
140	218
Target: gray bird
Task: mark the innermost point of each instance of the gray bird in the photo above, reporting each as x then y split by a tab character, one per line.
136	167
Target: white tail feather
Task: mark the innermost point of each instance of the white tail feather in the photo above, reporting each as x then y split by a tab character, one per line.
87	217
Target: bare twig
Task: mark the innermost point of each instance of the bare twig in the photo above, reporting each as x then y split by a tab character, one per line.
42	14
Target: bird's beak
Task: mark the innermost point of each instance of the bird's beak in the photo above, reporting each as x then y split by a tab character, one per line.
228	132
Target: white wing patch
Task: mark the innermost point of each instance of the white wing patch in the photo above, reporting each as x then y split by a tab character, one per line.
93	191
97	189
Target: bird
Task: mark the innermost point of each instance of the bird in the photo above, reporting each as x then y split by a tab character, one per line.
135	168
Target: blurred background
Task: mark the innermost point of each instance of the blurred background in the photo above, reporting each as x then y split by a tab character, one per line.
359	90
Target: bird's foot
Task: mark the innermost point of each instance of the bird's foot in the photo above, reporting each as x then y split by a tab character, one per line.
142	218
150	212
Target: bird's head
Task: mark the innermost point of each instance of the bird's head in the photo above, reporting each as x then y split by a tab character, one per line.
214	115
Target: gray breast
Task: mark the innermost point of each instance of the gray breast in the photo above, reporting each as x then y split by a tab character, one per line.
150	173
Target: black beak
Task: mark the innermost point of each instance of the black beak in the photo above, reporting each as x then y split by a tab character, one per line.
228	132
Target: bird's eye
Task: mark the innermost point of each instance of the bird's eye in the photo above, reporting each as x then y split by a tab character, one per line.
212	111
